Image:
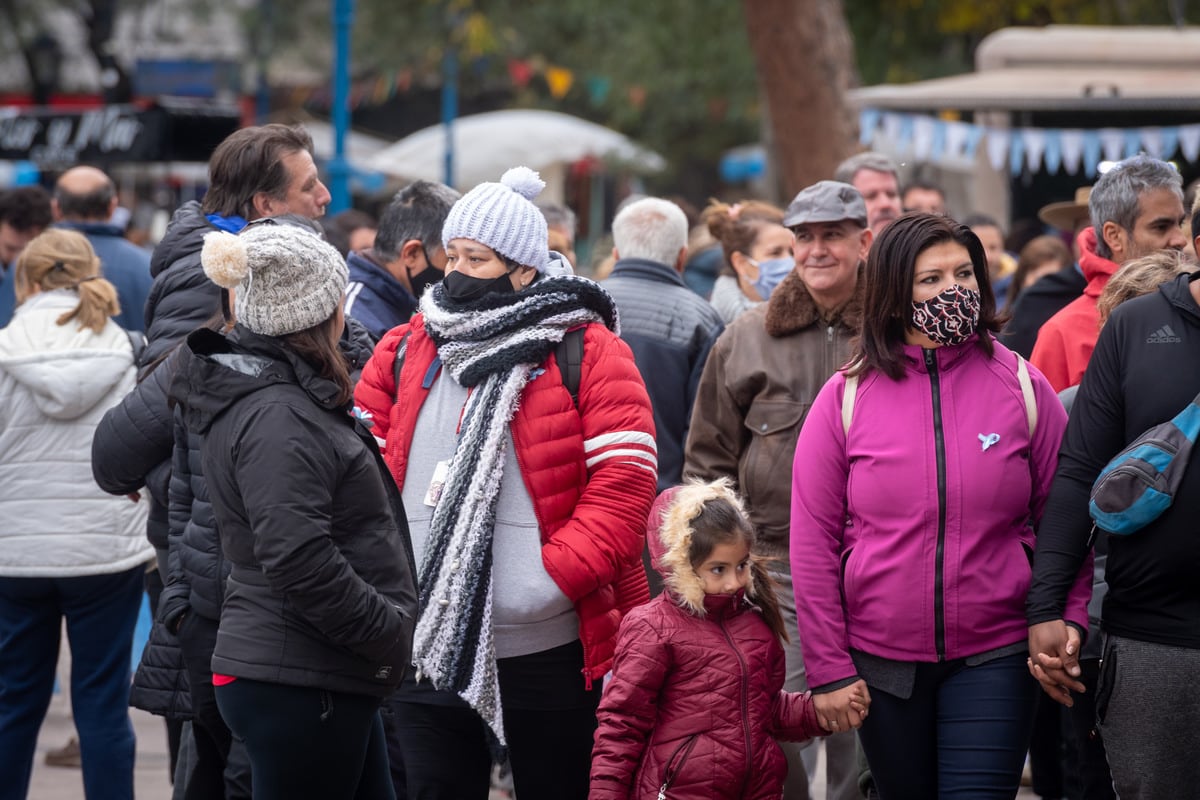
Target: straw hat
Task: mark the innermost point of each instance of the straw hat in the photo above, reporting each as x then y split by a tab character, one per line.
1067	215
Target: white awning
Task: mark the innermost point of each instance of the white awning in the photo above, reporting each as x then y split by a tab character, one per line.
1042	88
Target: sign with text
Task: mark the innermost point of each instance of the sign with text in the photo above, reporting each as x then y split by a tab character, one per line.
52	138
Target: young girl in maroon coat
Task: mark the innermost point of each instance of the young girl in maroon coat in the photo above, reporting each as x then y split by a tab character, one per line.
696	702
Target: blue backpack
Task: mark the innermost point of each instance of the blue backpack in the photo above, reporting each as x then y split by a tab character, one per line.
1140	482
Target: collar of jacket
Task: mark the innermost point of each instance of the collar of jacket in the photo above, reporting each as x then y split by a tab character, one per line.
791	308
322	390
90	228
1179	294
647	270
218	369
722	606
947	357
1096	268
366	269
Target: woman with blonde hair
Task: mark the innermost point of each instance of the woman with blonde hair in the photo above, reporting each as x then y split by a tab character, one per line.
1142	276
66	548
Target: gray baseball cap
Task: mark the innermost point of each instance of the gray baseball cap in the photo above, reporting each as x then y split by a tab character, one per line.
826	201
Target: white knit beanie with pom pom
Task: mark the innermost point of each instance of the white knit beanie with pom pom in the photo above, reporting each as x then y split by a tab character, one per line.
287	278
502	216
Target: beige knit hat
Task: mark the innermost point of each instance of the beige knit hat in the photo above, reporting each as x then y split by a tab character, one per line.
288	278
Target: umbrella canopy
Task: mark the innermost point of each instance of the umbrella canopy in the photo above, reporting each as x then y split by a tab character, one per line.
359	146
485	145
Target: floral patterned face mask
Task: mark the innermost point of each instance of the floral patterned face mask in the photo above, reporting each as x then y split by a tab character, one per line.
949	317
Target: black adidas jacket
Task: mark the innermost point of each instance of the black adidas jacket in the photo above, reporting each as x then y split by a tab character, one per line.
1144	371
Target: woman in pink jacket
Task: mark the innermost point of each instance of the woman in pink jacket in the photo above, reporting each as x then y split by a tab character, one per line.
920	477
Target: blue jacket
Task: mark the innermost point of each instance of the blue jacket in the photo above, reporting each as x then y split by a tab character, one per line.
670	330
375	298
125	265
8	295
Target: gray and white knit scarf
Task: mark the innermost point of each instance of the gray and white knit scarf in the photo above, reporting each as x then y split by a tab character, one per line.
492	345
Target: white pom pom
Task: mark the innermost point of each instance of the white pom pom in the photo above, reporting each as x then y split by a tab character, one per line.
224	259
524	182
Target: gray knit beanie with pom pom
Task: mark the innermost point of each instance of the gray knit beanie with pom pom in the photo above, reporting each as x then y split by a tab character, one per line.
288	278
502	216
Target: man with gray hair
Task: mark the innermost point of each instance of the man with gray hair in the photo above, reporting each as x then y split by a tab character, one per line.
1136	209
386	282
668	326
876	178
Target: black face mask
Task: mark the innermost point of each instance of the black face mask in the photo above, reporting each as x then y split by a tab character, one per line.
423	280
462	288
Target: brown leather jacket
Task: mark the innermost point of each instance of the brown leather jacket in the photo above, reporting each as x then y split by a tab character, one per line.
760	380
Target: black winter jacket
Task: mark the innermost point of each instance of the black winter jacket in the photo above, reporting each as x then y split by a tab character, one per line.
322	590
197	568
182	298
670	330
131	448
1037	304
1145	370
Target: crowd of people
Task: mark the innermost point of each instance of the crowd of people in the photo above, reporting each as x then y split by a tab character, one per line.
415	499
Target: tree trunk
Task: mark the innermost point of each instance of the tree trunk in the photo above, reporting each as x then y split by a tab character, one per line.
805	60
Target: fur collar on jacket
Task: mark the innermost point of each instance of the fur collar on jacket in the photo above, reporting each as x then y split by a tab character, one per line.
792	309
676	508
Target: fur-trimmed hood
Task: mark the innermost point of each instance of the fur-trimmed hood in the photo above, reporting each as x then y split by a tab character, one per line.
791	308
669	537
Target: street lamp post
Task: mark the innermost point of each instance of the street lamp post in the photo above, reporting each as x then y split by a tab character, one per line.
45	62
339	169
449	108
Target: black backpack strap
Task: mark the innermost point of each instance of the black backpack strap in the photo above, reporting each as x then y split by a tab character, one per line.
398	364
569	355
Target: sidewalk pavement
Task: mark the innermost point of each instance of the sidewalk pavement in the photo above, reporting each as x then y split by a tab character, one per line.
150	772
66	783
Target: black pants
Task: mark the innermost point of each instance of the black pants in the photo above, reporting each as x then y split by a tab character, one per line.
1092	764
306	743
213	775
1046	749
549	722
154	586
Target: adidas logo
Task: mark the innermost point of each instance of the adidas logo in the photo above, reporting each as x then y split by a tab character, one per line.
1163	335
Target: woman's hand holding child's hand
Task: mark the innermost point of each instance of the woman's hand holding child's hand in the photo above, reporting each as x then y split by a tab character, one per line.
843	709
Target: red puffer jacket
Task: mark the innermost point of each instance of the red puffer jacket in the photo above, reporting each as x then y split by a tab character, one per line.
696	702
590	470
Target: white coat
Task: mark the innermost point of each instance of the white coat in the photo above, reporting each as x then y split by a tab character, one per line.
56	382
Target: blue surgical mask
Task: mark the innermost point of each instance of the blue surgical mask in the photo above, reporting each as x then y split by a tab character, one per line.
770	273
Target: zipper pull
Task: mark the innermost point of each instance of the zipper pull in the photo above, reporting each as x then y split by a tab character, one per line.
929	358
662	793
829	331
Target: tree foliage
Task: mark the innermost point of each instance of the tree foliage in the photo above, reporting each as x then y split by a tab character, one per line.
906	40
676	75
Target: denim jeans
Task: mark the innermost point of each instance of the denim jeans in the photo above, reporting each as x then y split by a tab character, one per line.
101	611
962	734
